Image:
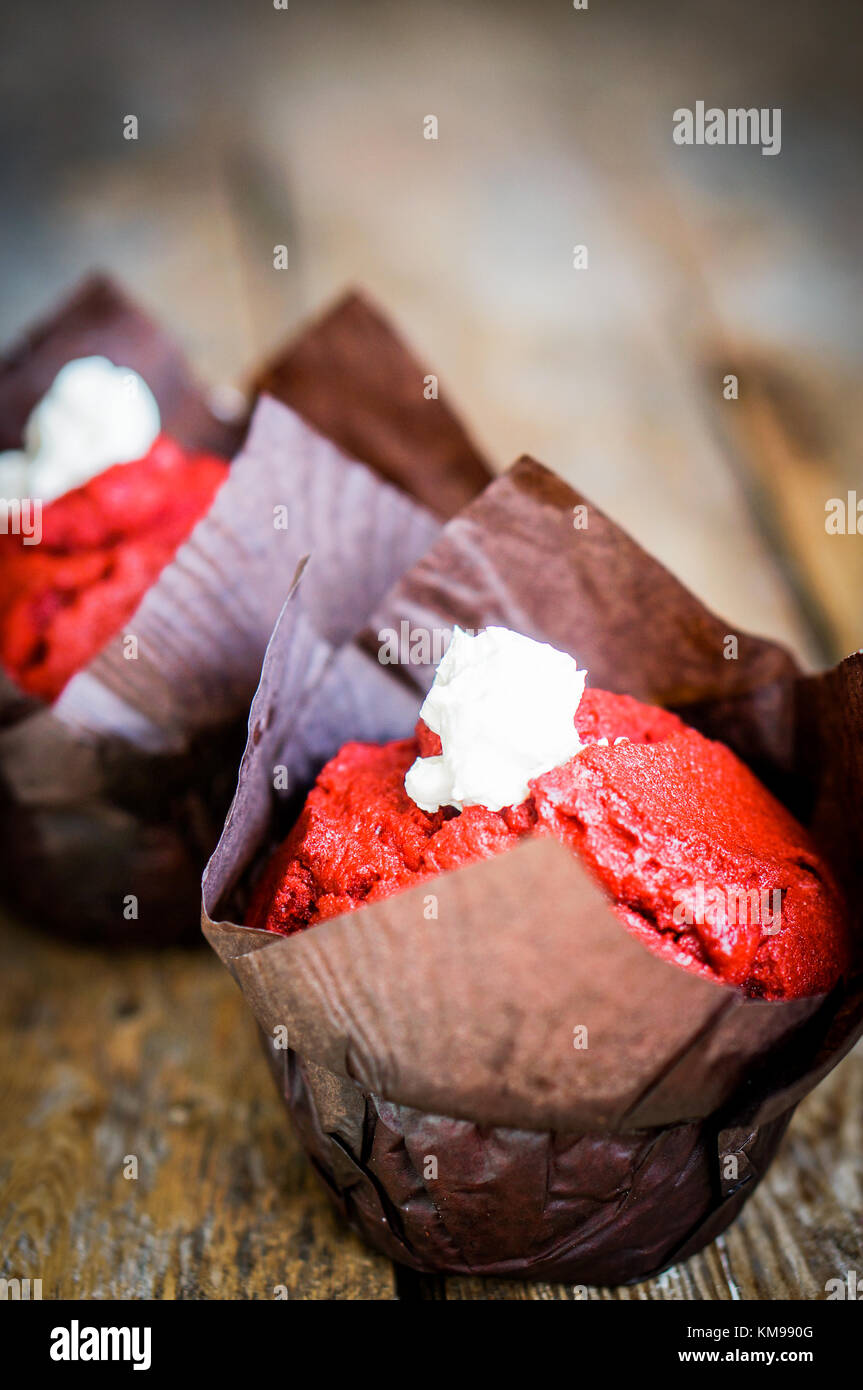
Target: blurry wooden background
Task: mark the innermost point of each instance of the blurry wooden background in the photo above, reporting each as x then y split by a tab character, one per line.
304	127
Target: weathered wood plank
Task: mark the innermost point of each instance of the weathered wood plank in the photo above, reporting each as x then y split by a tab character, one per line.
109	1056
555	129
156	1057
777	438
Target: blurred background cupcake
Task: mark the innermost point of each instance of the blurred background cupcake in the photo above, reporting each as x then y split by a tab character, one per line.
306	129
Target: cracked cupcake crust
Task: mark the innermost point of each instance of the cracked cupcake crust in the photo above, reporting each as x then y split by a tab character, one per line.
699	861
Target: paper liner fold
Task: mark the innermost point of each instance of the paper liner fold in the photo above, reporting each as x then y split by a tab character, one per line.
119	790
493	1040
131	767
203	627
451	1036
99	319
350	376
516	557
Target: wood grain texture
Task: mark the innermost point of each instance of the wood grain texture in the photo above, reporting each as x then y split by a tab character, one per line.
110	1055
156	1056
555	129
780	438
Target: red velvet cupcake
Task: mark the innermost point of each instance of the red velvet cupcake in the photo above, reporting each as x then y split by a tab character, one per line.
110	499
700	862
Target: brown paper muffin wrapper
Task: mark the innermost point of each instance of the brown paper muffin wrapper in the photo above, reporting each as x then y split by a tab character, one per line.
112	798
351	378
99	319
425	1044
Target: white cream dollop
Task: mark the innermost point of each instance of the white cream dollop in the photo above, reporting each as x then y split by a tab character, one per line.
504	707
94	415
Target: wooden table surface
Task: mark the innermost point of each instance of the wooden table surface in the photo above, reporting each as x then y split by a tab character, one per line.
554	130
155	1057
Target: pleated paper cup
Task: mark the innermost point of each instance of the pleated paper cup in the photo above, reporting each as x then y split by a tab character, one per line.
429	1059
112	798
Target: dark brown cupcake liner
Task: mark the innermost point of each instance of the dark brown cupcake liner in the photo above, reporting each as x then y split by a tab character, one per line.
351	378
519	1203
112	798
429	1064
99	319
